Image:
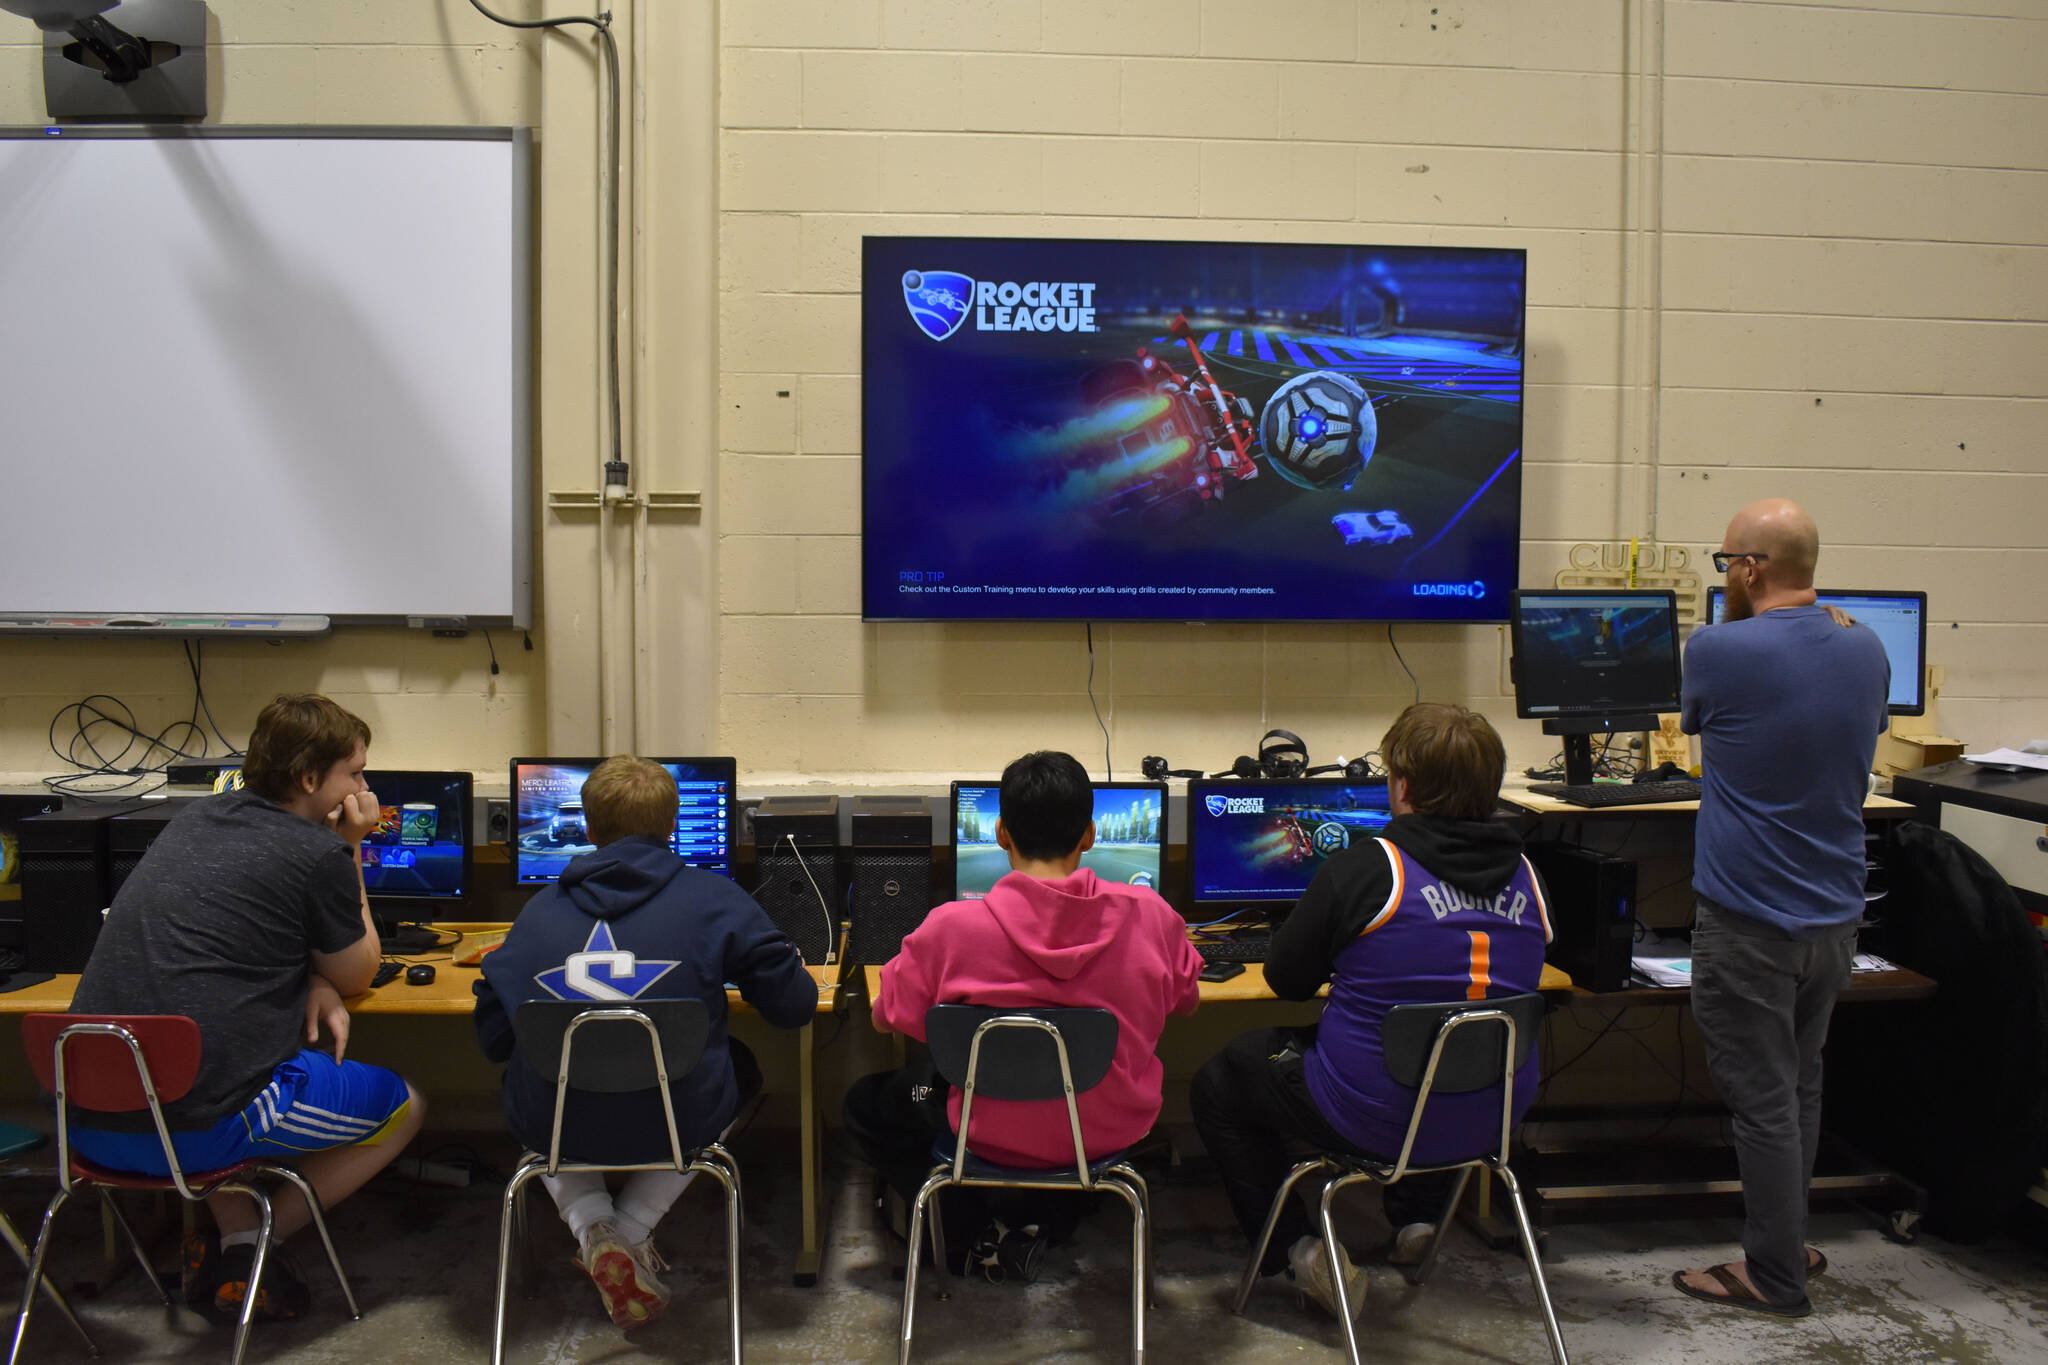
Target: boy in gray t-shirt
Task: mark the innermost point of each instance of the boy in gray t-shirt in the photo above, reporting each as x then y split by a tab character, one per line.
247	915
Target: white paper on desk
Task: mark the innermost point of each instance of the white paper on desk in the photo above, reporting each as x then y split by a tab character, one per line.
1871	962
2009	758
1663	970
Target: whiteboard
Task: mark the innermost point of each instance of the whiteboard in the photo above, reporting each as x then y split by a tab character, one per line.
265	371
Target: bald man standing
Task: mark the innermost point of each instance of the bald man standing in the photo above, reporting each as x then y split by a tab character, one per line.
1788	705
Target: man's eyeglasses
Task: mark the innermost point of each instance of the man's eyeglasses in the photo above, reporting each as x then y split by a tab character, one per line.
1723	558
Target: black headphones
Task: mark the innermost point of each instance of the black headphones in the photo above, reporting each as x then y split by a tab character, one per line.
1154	767
1282	754
1354	770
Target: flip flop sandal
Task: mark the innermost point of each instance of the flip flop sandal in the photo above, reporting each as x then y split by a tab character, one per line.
1818	1265
1739	1295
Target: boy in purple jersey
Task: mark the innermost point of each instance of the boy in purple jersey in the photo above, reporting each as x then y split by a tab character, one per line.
1443	906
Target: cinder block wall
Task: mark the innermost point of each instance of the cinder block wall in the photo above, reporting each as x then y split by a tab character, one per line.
1849	302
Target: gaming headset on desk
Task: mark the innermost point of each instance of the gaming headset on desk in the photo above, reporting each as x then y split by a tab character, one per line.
1282	755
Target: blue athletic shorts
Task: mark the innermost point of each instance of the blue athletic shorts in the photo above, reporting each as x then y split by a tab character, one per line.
312	1104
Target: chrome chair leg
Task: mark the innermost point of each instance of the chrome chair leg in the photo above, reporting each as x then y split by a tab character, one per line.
1251	1267
35	1273
319	1216
1421	1271
113	1208
935	1182
1332	1248
514	1189
1522	1224
1141	1236
50	1290
724	1176
1145	1194
255	1285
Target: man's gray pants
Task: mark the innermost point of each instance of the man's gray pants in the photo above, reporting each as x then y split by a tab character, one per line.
1762	999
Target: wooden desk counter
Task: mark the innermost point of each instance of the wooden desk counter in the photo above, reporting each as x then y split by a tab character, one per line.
449	993
1515	792
1250	985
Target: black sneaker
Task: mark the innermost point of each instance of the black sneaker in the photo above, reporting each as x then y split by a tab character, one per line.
199	1266
280	1297
1005	1253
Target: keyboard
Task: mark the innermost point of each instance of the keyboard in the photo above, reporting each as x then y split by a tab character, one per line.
1239	949
11	961
387	972
1618	793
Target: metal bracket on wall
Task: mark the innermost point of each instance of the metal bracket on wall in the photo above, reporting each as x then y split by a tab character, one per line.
653	502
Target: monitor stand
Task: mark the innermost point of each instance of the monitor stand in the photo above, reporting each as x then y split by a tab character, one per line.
402	940
1578	732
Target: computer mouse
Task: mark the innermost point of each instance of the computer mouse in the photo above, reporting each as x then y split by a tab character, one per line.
420	974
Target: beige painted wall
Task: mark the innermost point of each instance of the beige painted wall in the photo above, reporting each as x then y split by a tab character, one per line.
1845	303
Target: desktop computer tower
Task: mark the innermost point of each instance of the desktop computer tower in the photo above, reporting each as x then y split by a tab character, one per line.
891	879
65	884
129	837
13	810
796	870
1591	897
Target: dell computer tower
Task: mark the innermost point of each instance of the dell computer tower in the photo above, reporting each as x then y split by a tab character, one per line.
65	883
1592	903
796	870
891	875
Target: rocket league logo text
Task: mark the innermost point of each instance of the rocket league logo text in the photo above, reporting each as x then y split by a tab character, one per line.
939	300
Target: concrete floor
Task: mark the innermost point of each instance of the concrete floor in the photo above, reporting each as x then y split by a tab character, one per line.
423	1256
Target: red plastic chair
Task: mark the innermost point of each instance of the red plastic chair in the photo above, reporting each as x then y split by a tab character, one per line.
122	1064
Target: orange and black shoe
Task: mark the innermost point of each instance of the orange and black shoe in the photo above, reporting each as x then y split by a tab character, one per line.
280	1297
199	1266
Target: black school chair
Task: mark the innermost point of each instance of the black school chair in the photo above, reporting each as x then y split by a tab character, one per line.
1019	1054
624	1049
1449	1049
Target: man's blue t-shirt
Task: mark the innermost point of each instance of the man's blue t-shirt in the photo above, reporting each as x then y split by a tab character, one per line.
1788	707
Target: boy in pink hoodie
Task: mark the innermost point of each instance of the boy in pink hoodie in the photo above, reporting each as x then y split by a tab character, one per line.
1048	934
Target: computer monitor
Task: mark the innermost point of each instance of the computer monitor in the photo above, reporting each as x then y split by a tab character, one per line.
1900	620
419	852
1252	843
1593	661
548	826
1130	836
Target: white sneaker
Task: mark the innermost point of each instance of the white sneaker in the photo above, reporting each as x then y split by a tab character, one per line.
1411	1244
625	1276
1310	1266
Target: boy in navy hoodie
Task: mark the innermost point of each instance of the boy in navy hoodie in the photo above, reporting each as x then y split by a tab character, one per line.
631	921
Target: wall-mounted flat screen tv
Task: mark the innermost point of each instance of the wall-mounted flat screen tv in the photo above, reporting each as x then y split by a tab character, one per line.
1119	430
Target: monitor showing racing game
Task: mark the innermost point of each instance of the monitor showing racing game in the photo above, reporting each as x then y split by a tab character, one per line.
1254	842
1898	618
1122	430
549	826
419	852
1130	836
